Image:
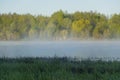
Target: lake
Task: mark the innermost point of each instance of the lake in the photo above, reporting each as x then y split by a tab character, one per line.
60	48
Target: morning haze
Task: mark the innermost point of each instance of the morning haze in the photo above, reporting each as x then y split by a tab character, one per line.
59	40
61	22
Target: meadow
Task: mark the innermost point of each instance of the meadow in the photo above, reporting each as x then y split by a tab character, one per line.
58	68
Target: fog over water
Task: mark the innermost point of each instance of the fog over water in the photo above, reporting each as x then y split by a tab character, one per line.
60	48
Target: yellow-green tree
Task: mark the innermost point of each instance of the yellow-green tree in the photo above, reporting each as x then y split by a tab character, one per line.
101	30
114	25
81	28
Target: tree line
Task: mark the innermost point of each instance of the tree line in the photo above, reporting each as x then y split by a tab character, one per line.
59	26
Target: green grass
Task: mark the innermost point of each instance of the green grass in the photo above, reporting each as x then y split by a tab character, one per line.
58	69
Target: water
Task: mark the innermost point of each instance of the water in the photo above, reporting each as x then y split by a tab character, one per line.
60	48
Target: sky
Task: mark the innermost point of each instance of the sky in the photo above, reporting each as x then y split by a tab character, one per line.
48	7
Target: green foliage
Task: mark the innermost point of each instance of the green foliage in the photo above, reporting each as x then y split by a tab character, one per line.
58	69
114	25
81	28
101	30
59	26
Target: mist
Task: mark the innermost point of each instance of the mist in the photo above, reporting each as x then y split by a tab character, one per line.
61	34
79	49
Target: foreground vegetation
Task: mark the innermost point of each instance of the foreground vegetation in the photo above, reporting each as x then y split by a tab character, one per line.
59	26
58	69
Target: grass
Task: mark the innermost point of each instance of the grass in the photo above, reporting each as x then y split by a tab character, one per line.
58	69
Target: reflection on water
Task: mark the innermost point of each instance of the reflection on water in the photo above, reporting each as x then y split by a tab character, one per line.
62	48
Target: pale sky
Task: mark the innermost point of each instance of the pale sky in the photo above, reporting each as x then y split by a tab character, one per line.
47	7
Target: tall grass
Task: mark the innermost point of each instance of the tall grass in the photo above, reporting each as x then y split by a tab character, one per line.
58	69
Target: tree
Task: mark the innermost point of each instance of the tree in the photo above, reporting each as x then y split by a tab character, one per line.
101	30
114	25
81	28
60	25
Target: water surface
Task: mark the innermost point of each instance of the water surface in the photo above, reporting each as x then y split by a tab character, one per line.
60	48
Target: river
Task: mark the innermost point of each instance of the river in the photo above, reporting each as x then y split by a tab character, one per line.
60	48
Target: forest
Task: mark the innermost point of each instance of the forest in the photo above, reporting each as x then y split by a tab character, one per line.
61	25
